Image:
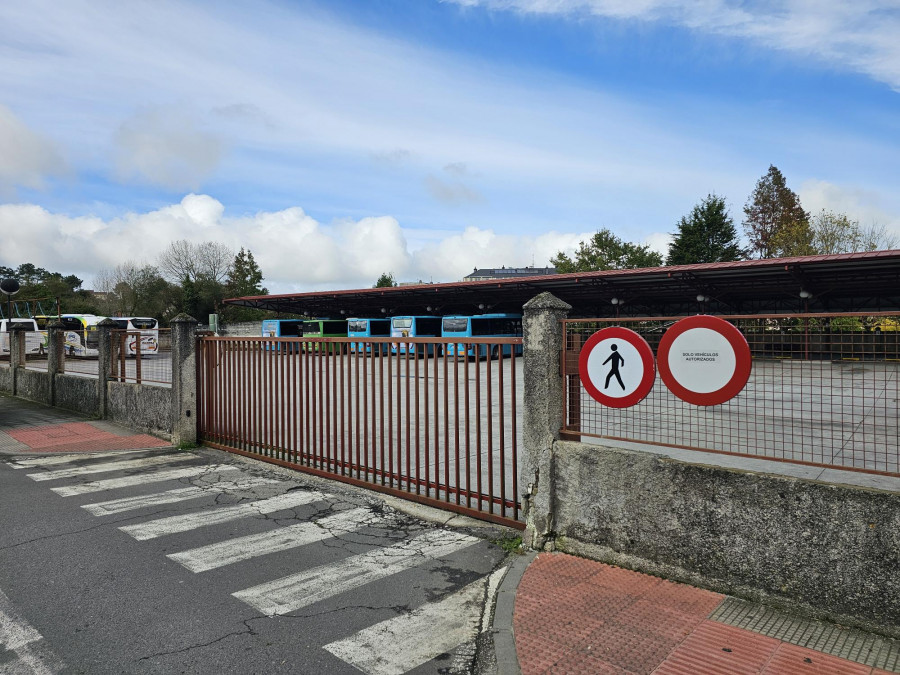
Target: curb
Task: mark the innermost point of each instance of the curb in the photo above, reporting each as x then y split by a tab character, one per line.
502	624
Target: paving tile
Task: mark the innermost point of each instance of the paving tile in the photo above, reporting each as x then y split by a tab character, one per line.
715	648
80	437
789	659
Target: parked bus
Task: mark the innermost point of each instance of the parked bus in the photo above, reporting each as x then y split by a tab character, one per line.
323	328
82	338
366	328
415	326
274	328
146	326
33	337
482	326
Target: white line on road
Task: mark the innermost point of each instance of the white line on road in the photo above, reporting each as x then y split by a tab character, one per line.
305	588
140	479
396	646
65	459
223	514
285	538
20	638
111	466
173	496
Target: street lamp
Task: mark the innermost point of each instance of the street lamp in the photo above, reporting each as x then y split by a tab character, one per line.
9	287
616	302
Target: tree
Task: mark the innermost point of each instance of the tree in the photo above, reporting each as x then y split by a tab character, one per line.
774	222
244	278
838	233
136	290
208	261
707	235
386	280
605	251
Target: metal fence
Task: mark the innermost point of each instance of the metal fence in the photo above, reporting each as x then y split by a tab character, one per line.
142	358
400	416
823	390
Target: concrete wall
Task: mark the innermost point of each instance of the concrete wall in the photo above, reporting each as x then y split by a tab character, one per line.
6	378
832	551
33	385
245	329
829	551
141	407
76	393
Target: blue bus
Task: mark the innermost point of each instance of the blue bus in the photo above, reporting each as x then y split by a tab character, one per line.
482	326
415	326
366	328
273	328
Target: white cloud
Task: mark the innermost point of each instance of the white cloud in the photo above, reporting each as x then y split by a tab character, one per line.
165	146
857	203
855	36
25	158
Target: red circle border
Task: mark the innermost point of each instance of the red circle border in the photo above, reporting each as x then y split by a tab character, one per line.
742	366
636	341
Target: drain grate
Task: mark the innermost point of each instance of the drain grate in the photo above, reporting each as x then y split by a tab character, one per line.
846	643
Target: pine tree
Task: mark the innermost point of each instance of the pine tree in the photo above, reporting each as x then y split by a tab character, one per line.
244	279
775	223
706	235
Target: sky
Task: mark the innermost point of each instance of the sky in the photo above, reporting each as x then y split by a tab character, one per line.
339	139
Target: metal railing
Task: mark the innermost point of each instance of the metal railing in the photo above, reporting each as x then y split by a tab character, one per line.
402	416
823	390
141	359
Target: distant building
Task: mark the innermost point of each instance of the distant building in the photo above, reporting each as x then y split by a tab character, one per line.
508	273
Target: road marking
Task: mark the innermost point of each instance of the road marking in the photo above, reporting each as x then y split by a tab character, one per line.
243	548
140	479
223	514
396	646
65	459
305	588
110	466
173	496
20	638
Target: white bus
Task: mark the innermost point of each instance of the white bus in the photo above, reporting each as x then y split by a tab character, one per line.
33	337
148	327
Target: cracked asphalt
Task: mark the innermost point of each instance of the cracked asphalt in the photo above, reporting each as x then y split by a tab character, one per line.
373	589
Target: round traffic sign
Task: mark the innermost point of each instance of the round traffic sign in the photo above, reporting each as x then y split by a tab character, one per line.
704	360
616	367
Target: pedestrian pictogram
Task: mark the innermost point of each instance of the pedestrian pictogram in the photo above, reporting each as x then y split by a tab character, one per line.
616	367
704	360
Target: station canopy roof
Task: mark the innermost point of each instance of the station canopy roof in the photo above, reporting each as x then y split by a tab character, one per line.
852	282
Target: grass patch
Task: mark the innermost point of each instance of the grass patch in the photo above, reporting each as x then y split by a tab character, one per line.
510	543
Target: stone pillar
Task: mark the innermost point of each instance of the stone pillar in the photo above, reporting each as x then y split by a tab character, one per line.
16	352
184	380
104	365
543	414
56	362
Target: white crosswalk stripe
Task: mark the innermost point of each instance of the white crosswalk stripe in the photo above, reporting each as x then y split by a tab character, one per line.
284	538
33	462
111	466
305	588
173	496
402	643
140	479
223	514
19	638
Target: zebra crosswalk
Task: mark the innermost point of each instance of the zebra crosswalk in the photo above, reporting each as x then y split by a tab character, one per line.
449	620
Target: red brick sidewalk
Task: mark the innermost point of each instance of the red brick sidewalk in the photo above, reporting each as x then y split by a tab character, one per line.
80	437
578	616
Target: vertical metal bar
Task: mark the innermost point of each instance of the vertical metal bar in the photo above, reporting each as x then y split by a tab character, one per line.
467	445
407	471
446	432
490	432
478	411
384	384
425	423
501	395
137	358
437	426
418	424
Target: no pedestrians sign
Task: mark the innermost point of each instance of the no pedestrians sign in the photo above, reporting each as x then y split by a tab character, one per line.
616	367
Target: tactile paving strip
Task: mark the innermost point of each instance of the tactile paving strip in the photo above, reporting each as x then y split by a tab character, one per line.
846	643
78	437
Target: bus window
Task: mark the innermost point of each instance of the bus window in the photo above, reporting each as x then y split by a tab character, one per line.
362	328
415	326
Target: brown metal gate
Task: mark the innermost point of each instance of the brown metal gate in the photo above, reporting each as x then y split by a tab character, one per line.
431	424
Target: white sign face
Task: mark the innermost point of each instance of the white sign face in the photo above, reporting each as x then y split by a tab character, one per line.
615	367
702	360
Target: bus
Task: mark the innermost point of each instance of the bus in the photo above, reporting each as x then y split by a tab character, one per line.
323	328
415	326
148	329
482	325
82	338
365	328
33	339
274	328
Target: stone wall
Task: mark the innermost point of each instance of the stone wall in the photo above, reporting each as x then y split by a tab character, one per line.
142	407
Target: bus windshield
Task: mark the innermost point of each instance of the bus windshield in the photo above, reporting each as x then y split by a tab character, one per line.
455	325
401	323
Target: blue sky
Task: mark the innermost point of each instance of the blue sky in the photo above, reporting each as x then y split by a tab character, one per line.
340	139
